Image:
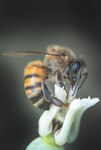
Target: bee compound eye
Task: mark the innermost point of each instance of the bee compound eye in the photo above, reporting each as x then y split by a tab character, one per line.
68	71
76	67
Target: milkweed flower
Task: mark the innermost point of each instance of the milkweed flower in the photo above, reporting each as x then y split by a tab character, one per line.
61	125
68	118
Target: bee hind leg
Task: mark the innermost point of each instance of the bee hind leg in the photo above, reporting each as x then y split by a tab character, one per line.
50	98
58	103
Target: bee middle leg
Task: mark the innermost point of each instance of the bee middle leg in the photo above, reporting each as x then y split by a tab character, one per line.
50	98
61	84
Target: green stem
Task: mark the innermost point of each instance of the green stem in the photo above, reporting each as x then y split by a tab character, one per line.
49	139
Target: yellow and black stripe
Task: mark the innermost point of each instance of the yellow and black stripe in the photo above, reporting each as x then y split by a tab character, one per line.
34	74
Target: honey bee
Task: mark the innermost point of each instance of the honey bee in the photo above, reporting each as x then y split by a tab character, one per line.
59	62
35	82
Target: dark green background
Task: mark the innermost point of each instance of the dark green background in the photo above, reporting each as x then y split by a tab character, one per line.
33	26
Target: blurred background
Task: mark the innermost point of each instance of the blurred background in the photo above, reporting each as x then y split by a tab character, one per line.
33	25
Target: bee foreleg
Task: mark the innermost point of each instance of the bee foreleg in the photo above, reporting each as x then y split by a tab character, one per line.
59	79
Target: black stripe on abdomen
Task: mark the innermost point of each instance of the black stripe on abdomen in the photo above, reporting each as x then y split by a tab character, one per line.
37	97
31	75
44	106
37	84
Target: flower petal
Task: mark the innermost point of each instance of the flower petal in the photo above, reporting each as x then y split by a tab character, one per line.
45	121
62	134
71	124
71	91
88	102
60	93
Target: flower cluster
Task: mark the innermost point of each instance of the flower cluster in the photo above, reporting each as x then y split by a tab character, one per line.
61	125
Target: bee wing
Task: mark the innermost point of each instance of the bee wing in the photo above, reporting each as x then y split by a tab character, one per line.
21	54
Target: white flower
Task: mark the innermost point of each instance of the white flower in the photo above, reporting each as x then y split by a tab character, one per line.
64	123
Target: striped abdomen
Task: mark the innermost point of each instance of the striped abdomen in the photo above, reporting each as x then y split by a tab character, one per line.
34	73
